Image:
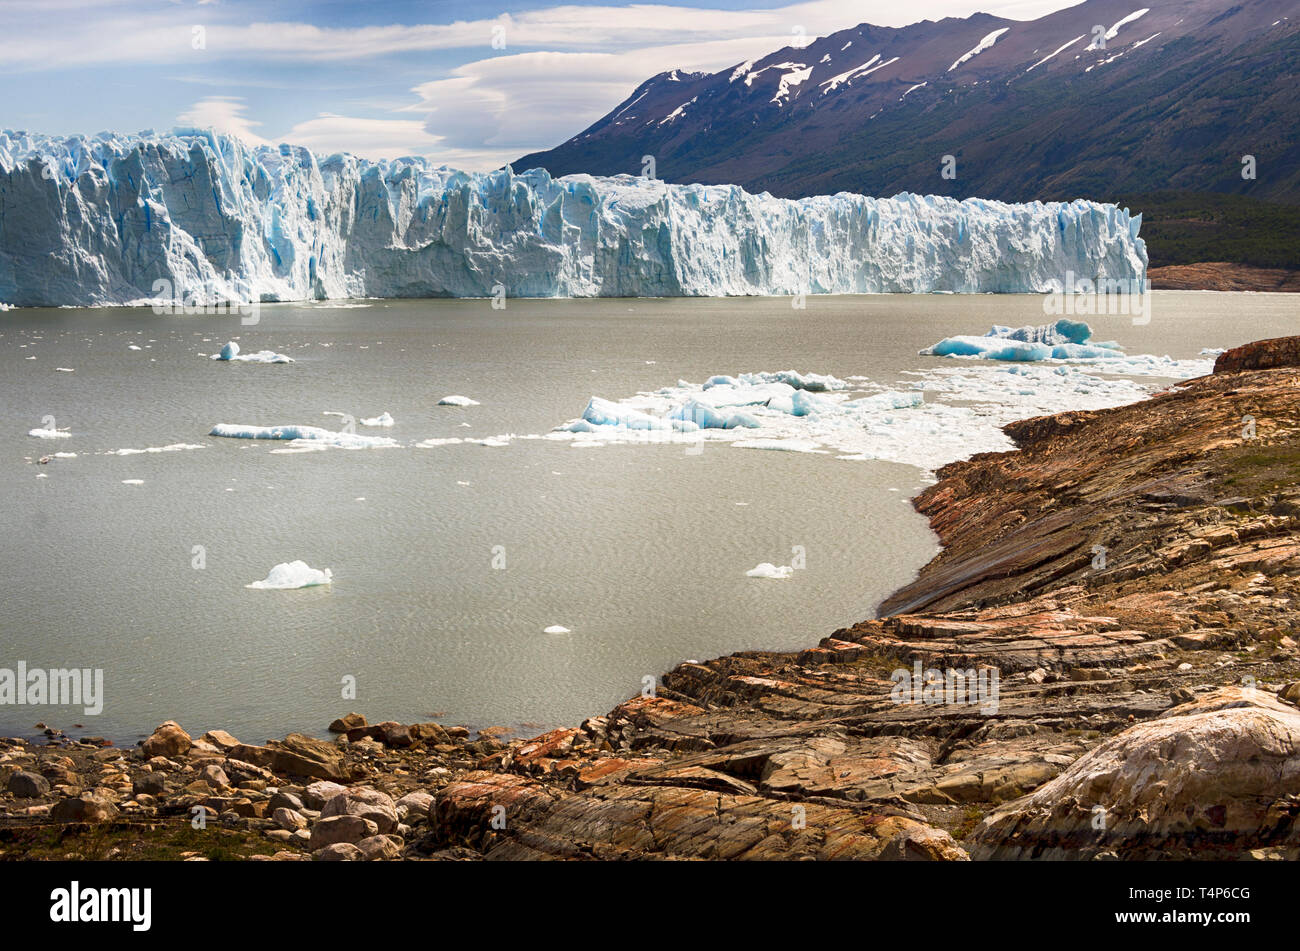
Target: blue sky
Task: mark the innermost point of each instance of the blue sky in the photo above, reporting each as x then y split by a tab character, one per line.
470	84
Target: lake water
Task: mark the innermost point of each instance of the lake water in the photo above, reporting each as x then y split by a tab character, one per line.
450	560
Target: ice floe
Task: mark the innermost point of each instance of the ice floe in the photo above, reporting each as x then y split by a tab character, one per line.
303	437
926	417
49	433
383	419
173	447
556	629
454	400
768	570
1067	341
294	574
231	352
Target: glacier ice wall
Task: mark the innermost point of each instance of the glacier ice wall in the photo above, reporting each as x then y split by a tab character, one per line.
98	220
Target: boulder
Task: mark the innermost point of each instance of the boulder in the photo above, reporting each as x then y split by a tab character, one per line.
379	847
152	784
167	740
1208	779
84	808
27	785
347	722
214	775
1260	355
317	794
340	829
300	755
287	800
414	804
366	803
221	740
288	819
296	755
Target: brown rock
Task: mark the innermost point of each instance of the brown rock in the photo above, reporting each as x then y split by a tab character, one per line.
167	740
350	721
84	808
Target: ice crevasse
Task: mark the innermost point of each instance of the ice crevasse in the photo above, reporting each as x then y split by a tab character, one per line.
205	218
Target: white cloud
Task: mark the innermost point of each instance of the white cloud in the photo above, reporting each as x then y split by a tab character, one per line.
563	66
224	114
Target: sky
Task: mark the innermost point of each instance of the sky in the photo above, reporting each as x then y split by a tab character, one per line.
469	84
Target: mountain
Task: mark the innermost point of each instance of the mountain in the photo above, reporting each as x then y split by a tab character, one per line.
1102	99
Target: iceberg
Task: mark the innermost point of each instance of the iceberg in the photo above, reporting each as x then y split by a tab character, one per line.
231	352
457	401
49	433
294	574
768	570
1063	340
383	419
202	217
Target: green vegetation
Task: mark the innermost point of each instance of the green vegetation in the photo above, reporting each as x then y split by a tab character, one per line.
1191	227
132	841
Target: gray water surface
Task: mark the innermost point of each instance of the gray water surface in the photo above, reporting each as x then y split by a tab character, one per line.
641	551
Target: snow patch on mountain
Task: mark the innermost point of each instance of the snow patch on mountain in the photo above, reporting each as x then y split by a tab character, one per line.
980	47
1058	51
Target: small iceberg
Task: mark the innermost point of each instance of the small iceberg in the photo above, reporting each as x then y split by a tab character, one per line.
231	352
556	629
769	570
312	436
601	413
294	574
454	400
49	433
1063	340
383	419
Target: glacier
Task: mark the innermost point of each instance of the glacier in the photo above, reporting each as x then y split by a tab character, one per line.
201	217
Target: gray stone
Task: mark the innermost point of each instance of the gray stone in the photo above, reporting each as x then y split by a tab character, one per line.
341	829
26	785
364	802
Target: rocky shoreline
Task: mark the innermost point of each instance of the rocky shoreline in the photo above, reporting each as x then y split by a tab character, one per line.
1111	627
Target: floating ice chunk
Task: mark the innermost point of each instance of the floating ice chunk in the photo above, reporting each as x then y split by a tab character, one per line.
294	574
556	629
1063	340
312	436
231	352
64	370
131	346
769	570
49	433
133	481
600	412
65	455
174	447
383	419
454	400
